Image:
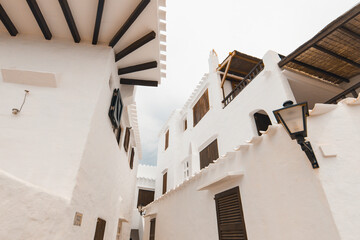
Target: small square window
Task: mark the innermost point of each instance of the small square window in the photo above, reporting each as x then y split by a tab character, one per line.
186	169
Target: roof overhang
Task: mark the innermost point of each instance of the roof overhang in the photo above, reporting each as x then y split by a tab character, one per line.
333	54
121	24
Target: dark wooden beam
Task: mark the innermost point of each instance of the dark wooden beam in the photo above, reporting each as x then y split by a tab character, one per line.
349	32
334	25
7	22
70	20
324	50
135	45
320	70
99	13
134	15
39	18
128	81
136	68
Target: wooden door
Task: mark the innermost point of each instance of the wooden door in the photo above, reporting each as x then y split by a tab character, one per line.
152	229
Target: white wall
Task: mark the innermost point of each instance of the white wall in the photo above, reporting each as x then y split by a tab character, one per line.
283	197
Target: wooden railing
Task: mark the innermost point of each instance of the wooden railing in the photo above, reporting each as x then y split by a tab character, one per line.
344	94
243	83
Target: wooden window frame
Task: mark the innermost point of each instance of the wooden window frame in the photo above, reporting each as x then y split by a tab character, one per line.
127	139
167	139
198	112
228	220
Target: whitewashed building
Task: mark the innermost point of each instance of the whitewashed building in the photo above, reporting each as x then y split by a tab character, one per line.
227	170
69	137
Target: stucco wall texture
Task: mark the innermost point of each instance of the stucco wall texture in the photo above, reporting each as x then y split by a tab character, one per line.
283	197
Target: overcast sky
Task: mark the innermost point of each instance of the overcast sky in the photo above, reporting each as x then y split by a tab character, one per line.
195	27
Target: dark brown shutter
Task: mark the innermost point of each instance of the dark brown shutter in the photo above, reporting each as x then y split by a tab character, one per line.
145	197
166	139
185	124
164	183
209	154
152	229
132	158
230	217
127	139
100	229
201	107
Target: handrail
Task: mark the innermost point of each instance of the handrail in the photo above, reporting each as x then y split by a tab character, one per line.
243	83
342	95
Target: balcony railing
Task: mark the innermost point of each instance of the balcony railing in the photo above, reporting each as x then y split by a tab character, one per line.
243	83
343	95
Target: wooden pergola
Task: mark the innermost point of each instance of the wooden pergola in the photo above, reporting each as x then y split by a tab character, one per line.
332	55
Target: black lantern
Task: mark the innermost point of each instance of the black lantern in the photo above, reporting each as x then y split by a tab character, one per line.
293	118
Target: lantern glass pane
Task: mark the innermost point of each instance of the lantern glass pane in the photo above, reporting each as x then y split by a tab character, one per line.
293	118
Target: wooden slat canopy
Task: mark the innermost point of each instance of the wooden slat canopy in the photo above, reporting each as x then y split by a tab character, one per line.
333	54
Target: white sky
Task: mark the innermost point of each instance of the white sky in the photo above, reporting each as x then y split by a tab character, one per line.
195	27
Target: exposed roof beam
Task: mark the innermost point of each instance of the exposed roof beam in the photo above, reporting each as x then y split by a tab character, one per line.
7	22
129	81
136	68
134	15
320	70
99	13
70	20
331	27
135	45
336	55
349	32
39	18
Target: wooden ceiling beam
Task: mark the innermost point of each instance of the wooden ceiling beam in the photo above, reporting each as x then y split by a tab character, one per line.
349	32
135	45
137	68
148	83
324	50
70	20
39	18
321	70
134	15
7	22
99	13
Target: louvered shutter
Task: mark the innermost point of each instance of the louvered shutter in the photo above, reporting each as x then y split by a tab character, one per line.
231	223
127	139
115	109
132	158
209	154
201	107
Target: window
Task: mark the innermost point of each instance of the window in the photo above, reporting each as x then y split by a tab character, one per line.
201	107
145	197
230	215
127	139
132	158
152	229
262	121
166	139
100	229
209	154
115	109
186	169
185	124
117	134
164	183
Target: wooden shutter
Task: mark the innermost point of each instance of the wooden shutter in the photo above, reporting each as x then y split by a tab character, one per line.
164	183
209	154
230	217
185	124
201	107
127	139
100	229
262	122
145	197
152	229
132	158
166	139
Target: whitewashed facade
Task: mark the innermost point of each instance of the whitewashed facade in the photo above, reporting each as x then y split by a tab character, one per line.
62	168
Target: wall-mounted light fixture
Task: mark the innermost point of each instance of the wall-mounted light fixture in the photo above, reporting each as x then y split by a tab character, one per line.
293	118
15	110
141	210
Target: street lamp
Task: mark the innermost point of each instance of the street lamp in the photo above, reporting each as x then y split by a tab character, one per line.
293	118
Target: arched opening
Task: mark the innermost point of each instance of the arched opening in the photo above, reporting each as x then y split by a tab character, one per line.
262	121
